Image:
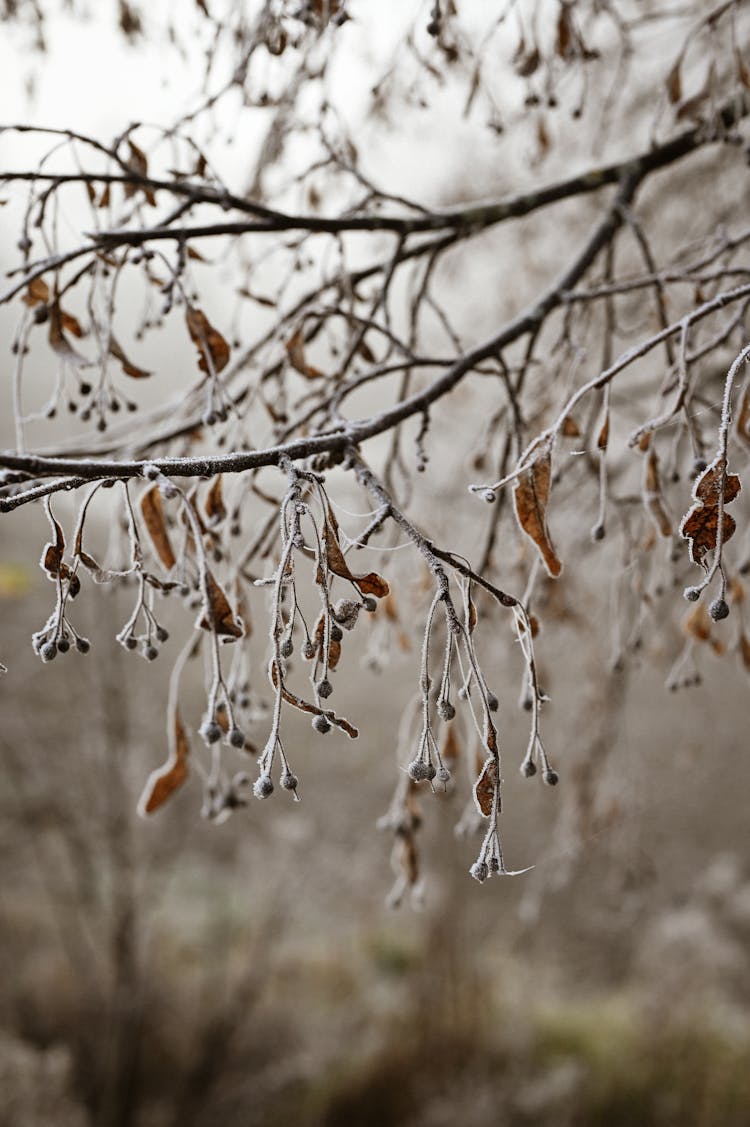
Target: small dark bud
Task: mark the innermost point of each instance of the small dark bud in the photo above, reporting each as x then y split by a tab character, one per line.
210	731
321	724
63	645
48	651
369	603
286	649
237	738
150	653
551	777
719	609
598	532
325	688
336	633
162	634
692	594
263	786
528	768
443	776
289	781
480	871
446	711
418	770
83	645
489	496
492	702
309	650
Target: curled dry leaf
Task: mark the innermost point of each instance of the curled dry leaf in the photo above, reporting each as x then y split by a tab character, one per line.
295	350
652	495
486	786
165	780
213	350
530	497
369	584
59	342
128	367
37	293
218	614
52	555
214	505
137	162
153	516
700	525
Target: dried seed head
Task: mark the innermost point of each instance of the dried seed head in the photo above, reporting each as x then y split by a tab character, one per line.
418	770
692	594
63	645
528	768
162	635
446	711
83	645
325	688
489	496
129	641
492	702
48	651
263	786
289	781
210	731
551	777
309	650
321	724
369	603
150	653
598	532
286	649
346	613
336	633
443	775
480	871
719	609
237	738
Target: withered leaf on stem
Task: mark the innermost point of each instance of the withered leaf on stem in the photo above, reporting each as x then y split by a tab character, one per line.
37	293
530	497
128	367
295	350
52	555
213	350
59	342
153	516
485	787
673	83
218	615
164	780
700	525
652	496
137	162
369	584
214	505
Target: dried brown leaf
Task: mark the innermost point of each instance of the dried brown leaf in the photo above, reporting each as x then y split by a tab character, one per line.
164	781
369	584
214	505
59	343
485	787
218	615
213	350
652	496
700	525
152	511
295	350
673	83
570	428
37	293
128	367
530	498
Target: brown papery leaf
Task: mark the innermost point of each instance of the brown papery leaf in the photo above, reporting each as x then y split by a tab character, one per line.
59	342
743	417
215	507
485	787
673	83
530	499
450	752
370	584
295	350
52	555
213	350
700	525
165	780
153	516
570	428
138	163
744	648
128	367
218	615
37	293
652	496
697	624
